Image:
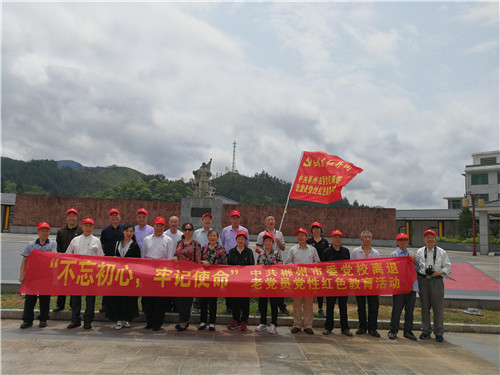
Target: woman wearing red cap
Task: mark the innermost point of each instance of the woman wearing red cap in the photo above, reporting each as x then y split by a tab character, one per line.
188	249
268	257
122	309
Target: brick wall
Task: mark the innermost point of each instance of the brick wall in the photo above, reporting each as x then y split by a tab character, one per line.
31	209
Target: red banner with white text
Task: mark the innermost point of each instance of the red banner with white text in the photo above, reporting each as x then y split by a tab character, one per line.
67	274
321	177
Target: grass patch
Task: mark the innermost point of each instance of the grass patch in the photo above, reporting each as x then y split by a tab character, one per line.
492	317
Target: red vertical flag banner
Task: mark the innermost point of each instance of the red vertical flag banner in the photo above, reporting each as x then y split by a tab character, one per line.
321	177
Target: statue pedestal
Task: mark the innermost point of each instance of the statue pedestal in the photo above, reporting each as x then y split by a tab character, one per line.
193	208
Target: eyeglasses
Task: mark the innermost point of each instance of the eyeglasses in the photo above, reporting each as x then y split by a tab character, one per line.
188	229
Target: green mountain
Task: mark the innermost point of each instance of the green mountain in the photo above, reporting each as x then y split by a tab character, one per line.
45	177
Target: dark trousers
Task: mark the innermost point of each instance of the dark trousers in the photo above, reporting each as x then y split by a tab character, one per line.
281	303
263	310
208	305
29	308
400	301
183	305
154	309
330	306
371	323
61	302
431	293
76	307
196	303
240	306
320	302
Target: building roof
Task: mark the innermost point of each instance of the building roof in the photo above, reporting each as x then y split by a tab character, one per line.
8	199
430	214
495	203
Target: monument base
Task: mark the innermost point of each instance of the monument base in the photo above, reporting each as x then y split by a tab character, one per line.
193	208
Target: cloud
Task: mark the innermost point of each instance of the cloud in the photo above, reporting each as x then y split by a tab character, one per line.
162	87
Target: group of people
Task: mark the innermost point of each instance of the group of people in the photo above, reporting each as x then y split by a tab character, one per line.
206	247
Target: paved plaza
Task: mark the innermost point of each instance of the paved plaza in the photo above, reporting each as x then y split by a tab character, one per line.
103	350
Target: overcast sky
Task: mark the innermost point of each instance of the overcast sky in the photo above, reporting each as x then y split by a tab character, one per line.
405	91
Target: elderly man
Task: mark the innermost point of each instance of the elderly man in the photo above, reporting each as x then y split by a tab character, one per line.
434	264
63	239
174	234
228	235
201	234
85	244
142	229
41	243
156	246
366	251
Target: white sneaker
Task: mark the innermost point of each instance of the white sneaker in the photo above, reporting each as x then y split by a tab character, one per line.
272	329
126	324
119	325
261	327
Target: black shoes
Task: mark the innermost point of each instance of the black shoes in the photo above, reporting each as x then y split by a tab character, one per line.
87	325
392	335
374	333
179	328
309	331
439	338
26	325
425	336
410	336
42	324
361	331
347	332
74	325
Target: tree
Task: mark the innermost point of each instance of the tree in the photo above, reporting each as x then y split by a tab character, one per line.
464	223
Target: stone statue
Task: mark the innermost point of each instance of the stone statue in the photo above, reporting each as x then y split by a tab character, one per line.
202	181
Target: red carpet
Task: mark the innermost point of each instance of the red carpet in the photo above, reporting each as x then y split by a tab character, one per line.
469	278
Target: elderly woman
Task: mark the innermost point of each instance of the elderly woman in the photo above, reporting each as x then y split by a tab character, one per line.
211	253
123	309
269	257
188	249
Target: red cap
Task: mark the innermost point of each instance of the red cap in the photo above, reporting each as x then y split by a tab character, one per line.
242	233
429	231
268	235
160	219
88	221
402	236
316	224
205	215
114	211
42	225
301	230
142	211
337	233
71	210
235	213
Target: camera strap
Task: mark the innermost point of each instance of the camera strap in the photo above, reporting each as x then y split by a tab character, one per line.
433	256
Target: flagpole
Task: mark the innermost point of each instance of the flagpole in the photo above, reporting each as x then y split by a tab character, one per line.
288	198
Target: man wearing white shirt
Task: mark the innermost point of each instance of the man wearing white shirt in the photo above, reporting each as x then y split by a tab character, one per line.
156	246
85	244
201	234
172	232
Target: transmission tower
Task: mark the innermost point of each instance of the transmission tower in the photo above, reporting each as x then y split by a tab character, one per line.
233	169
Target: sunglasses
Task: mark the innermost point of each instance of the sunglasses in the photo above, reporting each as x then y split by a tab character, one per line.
188	229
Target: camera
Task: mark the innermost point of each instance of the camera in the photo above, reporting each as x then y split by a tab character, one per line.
429	271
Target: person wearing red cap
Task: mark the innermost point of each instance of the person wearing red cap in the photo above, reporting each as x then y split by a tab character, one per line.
109	236
302	306
201	234
366	251
156	246
63	239
228	235
434	264
41	243
142	229
403	300
84	244
336	252
228	239
240	255
268	257
320	244
278	245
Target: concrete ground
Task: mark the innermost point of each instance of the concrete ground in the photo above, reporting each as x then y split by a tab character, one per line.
103	350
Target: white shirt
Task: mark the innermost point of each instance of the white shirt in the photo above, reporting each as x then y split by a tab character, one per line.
276	234
442	263
85	245
174	237
299	255
158	247
358	253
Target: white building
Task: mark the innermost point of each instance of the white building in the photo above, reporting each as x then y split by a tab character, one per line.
482	178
